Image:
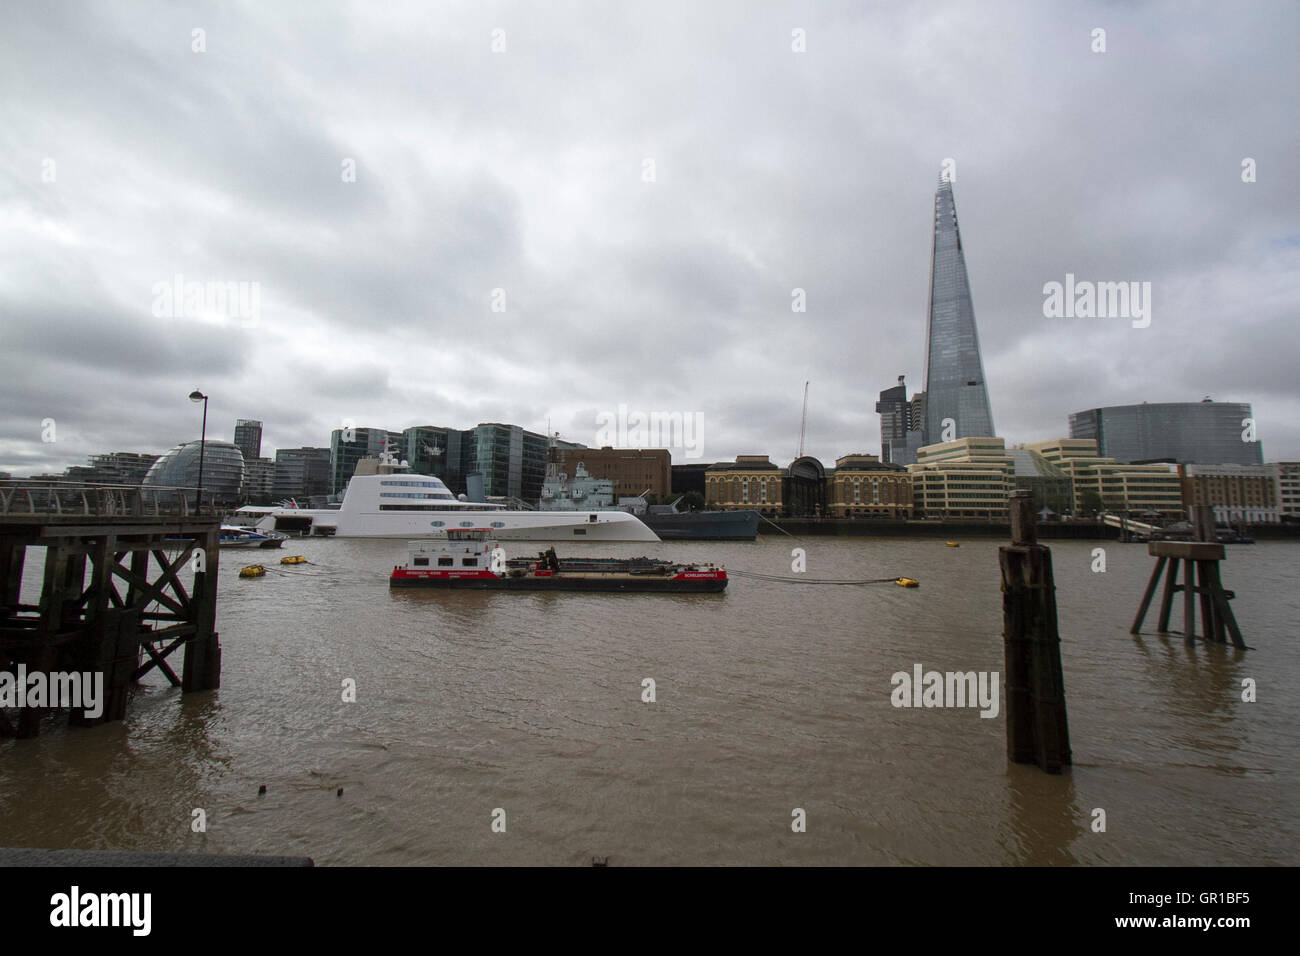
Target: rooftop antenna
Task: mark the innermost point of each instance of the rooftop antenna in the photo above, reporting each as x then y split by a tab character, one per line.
803	425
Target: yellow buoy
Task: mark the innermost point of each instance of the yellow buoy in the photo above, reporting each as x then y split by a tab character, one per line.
952	544
293	559
252	571
907	583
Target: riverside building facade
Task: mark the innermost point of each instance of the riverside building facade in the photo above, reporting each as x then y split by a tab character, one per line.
751	481
1237	493
1102	483
863	486
962	479
1286	488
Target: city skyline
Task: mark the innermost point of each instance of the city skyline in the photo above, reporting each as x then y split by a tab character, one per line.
652	243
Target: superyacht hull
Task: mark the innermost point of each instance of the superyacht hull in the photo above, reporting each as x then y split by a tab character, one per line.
385	499
506	525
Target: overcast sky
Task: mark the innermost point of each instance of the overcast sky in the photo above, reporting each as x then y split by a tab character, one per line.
128	157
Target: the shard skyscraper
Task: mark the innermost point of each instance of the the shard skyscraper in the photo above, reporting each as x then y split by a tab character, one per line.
954	373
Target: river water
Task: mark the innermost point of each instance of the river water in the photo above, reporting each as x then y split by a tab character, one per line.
527	709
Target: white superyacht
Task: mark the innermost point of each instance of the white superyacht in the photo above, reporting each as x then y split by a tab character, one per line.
385	499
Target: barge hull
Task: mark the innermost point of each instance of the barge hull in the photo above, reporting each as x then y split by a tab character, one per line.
561	583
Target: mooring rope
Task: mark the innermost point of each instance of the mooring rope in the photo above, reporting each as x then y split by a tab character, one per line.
774	524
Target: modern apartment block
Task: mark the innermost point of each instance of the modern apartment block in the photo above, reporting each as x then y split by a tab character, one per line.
1204	432
956	395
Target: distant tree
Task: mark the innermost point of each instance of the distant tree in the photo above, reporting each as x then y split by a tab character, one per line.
1090	502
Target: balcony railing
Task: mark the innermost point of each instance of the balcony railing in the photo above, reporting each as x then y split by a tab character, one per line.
76	499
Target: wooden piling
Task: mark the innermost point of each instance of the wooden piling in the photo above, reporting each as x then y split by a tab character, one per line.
203	650
1200	565
1037	727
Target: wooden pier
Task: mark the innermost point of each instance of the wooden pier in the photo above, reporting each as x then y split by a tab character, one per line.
1201	579
112	600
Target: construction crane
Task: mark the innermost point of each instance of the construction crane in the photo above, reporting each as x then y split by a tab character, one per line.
803	424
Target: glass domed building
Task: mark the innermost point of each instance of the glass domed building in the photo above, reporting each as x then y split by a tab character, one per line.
223	470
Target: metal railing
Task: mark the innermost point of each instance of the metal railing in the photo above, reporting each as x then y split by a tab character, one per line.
26	497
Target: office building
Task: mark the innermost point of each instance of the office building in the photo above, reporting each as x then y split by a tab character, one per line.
893	410
301	473
259	480
956	395
1051	486
511	461
1204	432
248	438
113	468
435	450
1103	484
962	479
349	446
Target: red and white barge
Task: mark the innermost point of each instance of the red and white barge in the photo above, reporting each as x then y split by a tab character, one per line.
471	558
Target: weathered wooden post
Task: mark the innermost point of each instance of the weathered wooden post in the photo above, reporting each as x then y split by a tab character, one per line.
1037	729
203	649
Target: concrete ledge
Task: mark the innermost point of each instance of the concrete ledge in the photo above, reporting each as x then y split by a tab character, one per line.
20	856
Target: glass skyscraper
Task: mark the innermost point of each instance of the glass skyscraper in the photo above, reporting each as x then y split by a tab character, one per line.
1205	432
954	374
